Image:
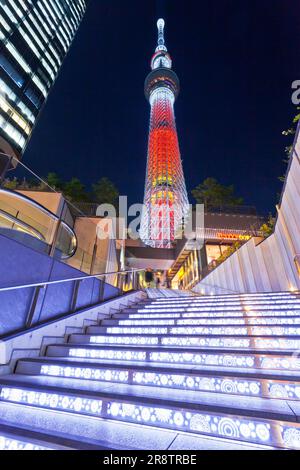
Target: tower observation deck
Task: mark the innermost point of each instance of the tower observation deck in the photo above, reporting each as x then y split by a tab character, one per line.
165	199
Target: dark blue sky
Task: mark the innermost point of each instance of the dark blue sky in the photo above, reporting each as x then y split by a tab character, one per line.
236	60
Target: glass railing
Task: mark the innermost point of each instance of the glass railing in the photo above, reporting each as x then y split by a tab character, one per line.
39	216
23	220
34	303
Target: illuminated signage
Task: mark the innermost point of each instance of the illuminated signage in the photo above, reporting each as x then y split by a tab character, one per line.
233	236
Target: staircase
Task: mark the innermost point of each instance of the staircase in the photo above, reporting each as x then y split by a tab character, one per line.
169	373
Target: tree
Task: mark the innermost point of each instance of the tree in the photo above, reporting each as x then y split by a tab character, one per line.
10	183
105	192
212	194
54	181
288	150
268	227
74	190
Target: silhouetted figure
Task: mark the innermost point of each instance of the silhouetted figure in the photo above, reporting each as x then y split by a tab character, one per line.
148	277
157	282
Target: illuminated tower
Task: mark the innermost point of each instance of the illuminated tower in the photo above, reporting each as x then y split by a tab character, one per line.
165	200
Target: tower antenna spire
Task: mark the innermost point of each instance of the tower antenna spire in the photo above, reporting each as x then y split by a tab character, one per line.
161	35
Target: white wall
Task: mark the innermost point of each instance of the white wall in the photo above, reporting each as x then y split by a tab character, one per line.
268	265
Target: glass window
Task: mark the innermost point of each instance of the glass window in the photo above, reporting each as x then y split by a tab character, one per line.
213	252
11	71
34	98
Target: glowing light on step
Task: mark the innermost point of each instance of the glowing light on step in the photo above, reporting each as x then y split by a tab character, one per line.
202	383
210	321
212	330
136	340
86	373
217	308
211	314
257	431
7	443
108	354
138	331
51	400
178	381
225	360
145	322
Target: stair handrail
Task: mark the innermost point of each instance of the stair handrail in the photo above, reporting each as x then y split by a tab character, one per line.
71	279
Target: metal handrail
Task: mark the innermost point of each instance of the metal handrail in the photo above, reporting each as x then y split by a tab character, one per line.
60	281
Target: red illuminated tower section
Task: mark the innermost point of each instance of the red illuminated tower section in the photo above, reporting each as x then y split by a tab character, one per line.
165	200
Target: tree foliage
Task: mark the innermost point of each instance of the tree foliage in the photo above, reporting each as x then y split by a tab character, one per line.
268	227
105	192
74	190
288	133
211	193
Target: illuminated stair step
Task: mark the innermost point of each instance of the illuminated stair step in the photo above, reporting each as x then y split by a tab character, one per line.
214	308
223	301
22	438
239	384
198	330
266	295
279	360
283	320
199	341
118	435
256	420
10	442
211	314
105	434
235	305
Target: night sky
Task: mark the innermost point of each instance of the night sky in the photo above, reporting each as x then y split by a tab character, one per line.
236	60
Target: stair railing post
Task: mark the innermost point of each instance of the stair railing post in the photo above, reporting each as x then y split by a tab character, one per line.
32	307
74	296
102	287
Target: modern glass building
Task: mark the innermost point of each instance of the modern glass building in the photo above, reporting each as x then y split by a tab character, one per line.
35	36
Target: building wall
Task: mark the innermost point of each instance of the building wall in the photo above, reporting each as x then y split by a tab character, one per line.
268	265
50	200
35	37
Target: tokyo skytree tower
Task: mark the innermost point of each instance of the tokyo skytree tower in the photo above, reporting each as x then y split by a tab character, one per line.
165	199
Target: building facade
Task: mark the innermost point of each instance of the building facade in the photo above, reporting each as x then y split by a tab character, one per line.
165	200
35	36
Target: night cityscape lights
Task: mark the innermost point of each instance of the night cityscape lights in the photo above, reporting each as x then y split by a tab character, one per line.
165	200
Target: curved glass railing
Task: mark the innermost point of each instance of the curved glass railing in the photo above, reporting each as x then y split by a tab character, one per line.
25	220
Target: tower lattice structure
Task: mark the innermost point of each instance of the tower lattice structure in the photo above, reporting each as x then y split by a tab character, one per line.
165	199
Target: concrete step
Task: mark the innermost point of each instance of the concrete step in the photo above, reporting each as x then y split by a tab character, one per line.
230	330
23	438
254	309
241	297
255	420
270	384
208	315
202	322
116	435
200	341
231	358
